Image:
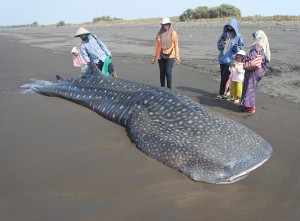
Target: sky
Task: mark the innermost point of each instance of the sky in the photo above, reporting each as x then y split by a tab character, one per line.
47	12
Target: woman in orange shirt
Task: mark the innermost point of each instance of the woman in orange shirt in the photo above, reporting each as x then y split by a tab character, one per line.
166	51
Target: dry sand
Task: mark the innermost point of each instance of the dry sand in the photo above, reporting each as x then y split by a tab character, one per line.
61	161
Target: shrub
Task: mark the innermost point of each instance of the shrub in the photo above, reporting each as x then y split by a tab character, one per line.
213	13
60	23
105	18
34	24
201	12
187	15
223	10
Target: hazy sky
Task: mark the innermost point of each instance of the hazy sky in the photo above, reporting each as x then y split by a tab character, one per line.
75	11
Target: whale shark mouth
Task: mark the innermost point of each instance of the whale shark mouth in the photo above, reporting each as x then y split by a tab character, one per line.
241	175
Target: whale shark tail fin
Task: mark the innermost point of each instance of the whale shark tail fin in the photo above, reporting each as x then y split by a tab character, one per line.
35	86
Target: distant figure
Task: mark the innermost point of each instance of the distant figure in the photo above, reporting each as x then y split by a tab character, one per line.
229	43
78	61
166	50
92	47
237	77
255	68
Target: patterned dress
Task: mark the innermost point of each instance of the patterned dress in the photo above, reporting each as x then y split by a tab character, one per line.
252	76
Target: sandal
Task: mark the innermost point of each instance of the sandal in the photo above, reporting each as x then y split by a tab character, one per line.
218	97
249	111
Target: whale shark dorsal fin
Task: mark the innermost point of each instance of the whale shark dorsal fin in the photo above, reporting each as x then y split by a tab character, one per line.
92	70
58	77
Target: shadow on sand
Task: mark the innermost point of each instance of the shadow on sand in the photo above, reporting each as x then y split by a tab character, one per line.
208	99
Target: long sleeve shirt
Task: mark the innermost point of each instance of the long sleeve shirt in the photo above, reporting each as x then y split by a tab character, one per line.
175	47
93	48
237	72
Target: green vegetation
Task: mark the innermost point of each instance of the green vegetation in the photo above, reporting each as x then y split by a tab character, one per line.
105	18
200	15
34	24
275	18
201	12
60	23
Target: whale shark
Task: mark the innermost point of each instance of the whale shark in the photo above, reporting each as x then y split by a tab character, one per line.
168	126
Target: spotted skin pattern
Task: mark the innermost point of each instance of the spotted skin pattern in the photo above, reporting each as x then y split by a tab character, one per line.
168	126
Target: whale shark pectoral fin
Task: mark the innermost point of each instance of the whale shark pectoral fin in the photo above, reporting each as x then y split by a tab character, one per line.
136	128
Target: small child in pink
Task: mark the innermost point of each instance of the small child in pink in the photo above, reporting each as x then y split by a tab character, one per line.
78	61
237	77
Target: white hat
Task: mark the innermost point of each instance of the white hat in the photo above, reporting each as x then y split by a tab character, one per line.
165	21
241	52
82	31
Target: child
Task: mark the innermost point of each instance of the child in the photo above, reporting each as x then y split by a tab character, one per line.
237	77
78	61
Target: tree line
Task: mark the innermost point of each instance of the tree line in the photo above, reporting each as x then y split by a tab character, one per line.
221	11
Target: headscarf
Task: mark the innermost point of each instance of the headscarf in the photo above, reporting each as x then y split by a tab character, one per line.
166	37
261	38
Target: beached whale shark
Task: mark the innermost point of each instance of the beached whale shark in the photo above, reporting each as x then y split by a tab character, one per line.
167	126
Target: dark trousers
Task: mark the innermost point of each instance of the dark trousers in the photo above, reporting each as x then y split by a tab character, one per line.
165	68
224	77
111	68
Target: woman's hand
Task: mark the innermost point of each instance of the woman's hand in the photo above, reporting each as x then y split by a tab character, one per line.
153	59
223	42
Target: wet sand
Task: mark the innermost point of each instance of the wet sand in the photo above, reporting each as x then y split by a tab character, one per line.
61	161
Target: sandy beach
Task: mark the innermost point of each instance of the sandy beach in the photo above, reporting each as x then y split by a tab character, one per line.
61	161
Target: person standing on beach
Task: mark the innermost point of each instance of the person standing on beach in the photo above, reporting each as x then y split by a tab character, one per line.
92	47
229	43
237	77
254	72
166	50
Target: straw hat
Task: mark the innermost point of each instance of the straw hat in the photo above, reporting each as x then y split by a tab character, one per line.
165	21
82	31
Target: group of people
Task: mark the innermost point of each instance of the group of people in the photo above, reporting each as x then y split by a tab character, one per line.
240	71
166	52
